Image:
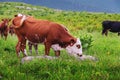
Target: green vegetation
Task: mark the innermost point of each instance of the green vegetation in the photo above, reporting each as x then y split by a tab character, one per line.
84	25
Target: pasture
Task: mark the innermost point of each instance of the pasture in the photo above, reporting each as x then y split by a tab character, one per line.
80	24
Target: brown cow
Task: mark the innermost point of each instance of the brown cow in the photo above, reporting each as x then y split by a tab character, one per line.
49	33
4	28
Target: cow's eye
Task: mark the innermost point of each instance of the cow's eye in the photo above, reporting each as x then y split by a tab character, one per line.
78	46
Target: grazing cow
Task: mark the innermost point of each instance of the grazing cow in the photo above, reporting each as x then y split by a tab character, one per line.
11	30
51	34
112	26
4	28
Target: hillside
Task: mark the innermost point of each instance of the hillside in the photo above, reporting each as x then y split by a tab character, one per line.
73	20
109	6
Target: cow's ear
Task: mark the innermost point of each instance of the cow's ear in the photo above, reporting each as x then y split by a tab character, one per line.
15	15
72	41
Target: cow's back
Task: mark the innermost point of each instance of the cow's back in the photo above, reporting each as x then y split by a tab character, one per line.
38	30
106	24
44	29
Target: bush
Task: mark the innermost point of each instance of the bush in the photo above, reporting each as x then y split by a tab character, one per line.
86	41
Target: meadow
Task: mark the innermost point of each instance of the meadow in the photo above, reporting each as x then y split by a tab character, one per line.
87	26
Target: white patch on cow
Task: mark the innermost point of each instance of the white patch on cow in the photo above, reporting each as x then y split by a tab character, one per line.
25	52
19	15
23	18
74	49
56	47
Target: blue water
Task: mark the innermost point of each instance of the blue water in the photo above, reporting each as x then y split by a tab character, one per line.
109	6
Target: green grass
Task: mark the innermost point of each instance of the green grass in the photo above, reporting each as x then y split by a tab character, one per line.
106	49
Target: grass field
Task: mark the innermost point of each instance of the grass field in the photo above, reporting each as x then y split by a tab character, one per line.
106	49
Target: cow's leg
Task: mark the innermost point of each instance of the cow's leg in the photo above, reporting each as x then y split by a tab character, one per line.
2	35
36	48
18	49
30	47
12	33
5	35
106	33
23	47
47	48
57	53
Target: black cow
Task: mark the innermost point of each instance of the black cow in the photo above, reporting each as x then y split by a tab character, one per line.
112	26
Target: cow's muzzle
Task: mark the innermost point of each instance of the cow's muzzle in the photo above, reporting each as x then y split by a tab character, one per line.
80	55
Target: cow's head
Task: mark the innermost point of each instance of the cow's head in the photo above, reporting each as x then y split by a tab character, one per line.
18	20
75	47
6	21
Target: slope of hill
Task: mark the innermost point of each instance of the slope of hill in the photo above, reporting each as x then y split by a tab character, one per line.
73	20
111	6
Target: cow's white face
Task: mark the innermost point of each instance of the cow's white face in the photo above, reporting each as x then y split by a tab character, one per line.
75	49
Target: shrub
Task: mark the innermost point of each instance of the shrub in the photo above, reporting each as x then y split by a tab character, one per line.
86	41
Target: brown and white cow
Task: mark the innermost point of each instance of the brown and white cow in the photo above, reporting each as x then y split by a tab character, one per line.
4	28
51	34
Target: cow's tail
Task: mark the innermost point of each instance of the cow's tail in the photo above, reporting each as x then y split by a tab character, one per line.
21	22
